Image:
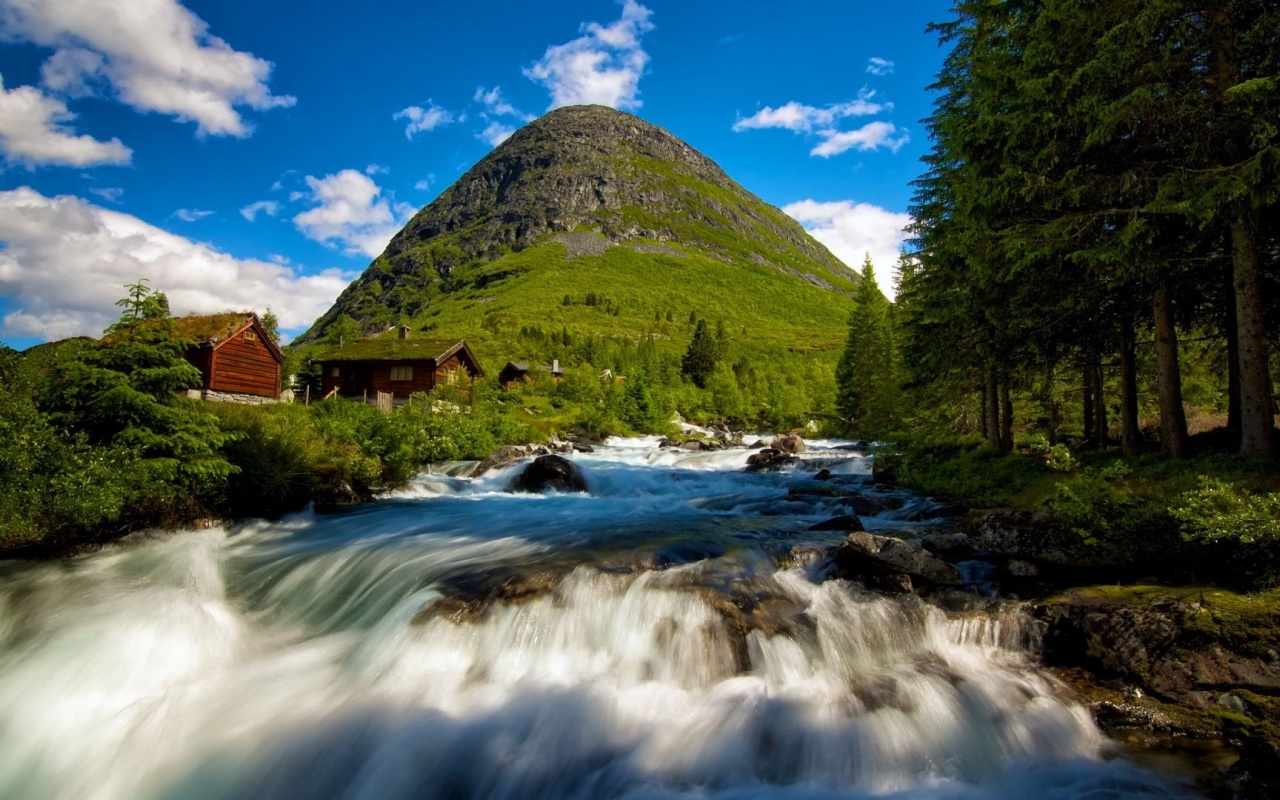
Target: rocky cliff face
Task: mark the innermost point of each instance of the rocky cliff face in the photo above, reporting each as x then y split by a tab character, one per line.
583	169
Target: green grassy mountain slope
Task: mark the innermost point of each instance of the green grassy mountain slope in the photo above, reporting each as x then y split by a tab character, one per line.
633	227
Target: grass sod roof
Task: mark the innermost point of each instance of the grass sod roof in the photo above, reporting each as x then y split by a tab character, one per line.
213	328
390	349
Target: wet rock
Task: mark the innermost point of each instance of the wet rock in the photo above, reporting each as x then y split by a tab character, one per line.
333	495
768	460
932	512
790	443
507	454
951	546
864	506
1022	569
823	475
884	472
583	448
845	522
871	556
694	446
549	473
469	599
820	490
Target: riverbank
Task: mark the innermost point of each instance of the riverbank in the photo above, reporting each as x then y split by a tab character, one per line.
1183	641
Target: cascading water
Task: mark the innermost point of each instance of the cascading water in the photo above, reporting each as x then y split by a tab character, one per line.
455	641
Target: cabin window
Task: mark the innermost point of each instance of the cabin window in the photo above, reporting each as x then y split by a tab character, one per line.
402	373
250	336
335	372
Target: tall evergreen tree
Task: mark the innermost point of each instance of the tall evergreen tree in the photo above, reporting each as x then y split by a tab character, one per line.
867	376
702	356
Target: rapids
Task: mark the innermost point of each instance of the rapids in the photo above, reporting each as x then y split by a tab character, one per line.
669	635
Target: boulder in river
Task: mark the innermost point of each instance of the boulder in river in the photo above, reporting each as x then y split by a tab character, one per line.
951	546
867	555
549	473
823	475
790	443
768	460
501	457
844	522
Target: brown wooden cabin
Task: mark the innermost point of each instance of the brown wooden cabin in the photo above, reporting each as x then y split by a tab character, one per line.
517	371
233	352
396	366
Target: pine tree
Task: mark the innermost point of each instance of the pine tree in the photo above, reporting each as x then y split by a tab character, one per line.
700	359
271	324
867	379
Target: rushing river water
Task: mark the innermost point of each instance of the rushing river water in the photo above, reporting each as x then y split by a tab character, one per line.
669	635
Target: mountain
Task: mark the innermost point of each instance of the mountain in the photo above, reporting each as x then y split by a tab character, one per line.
595	221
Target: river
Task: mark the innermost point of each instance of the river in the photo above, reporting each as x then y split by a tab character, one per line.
670	635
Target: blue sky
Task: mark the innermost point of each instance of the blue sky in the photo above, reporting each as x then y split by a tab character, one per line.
260	154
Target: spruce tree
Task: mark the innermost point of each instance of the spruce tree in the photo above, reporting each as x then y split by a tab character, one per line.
866	379
700	359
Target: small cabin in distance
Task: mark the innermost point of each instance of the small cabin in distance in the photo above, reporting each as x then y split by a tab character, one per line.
397	366
237	358
516	372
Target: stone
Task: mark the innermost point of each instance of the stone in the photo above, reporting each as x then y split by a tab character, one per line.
1022	569
845	522
867	555
501	457
790	443
768	460
549	473
951	546
823	475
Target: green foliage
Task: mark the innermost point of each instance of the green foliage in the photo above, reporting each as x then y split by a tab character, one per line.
123	392
271	324
1220	511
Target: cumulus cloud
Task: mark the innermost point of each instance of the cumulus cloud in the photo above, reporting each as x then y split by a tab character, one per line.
824	121
350	212
871	136
34	131
802	118
852	230
879	66
425	118
602	66
156	55
268	207
496	133
191	214
426	182
65	260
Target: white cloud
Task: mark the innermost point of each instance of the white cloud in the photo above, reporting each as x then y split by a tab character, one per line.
871	136
156	55
276	258
268	207
602	66
879	66
425	118
33	131
191	214
802	118
496	133
852	230
425	183
111	194
496	105
65	260
351	212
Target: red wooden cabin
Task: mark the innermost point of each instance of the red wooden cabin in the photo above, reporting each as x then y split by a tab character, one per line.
234	353
395	366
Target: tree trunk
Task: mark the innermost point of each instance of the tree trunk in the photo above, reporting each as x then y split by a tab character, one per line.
1006	418
1086	389
1130	438
1233	370
1173	420
982	406
1099	405
1256	412
992	396
1052	408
